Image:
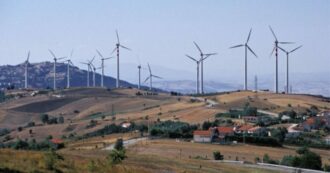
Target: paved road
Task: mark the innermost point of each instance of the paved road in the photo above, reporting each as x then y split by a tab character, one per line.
127	143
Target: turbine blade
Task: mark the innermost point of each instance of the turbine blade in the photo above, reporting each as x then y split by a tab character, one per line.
199	49
210	54
252	51
282	49
52	53
272	52
157	77
146	79
247	40
240	45
149	68
117	37
107	58
191	57
28	57
283	42
295	49
92	60
125	47
98	52
114	50
272	32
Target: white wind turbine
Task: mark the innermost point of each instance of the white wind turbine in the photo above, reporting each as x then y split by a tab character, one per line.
197	63
55	61
203	55
150	78
287	66
69	62
26	70
102	66
247	47
117	49
94	72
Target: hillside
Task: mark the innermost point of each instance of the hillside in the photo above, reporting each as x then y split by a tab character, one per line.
41	76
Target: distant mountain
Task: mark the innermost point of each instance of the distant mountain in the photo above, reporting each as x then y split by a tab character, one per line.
41	76
188	86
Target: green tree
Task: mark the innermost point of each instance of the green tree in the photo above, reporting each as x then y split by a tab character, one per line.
44	118
116	156
217	155
119	145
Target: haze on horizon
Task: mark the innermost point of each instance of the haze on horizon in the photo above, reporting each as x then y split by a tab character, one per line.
162	32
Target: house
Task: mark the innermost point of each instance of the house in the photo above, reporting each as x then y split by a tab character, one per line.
203	135
225	131
126	125
316	122
243	128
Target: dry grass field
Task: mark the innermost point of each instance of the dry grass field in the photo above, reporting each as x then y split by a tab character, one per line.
244	152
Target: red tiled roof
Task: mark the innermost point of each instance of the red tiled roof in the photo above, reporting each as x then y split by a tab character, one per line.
56	141
202	132
225	129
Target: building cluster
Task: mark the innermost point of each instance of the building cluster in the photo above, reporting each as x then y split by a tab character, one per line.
219	134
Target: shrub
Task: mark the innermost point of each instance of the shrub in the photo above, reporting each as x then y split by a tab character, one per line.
50	159
61	120
116	156
217	155
119	145
44	118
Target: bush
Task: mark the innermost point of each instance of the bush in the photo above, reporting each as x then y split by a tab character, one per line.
116	156
44	118
217	155
61	120
50	159
173	129
119	145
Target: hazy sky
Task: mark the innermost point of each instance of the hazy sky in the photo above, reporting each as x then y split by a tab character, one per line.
162	32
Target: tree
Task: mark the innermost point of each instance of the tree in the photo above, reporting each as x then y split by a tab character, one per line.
311	160
44	118
119	145
116	156
217	155
51	158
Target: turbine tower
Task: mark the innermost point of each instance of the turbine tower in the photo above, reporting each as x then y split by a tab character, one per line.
287	66
247	47
88	67
117	49
276	42
55	60
69	62
150	78
26	70
197	79
102	66
93	69
139	67
201	62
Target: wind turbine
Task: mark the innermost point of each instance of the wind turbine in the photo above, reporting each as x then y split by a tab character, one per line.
287	65
197	80
117	49
202	60
102	66
247	47
150	78
276	42
55	60
88	67
26	70
93	68
69	62
139	67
